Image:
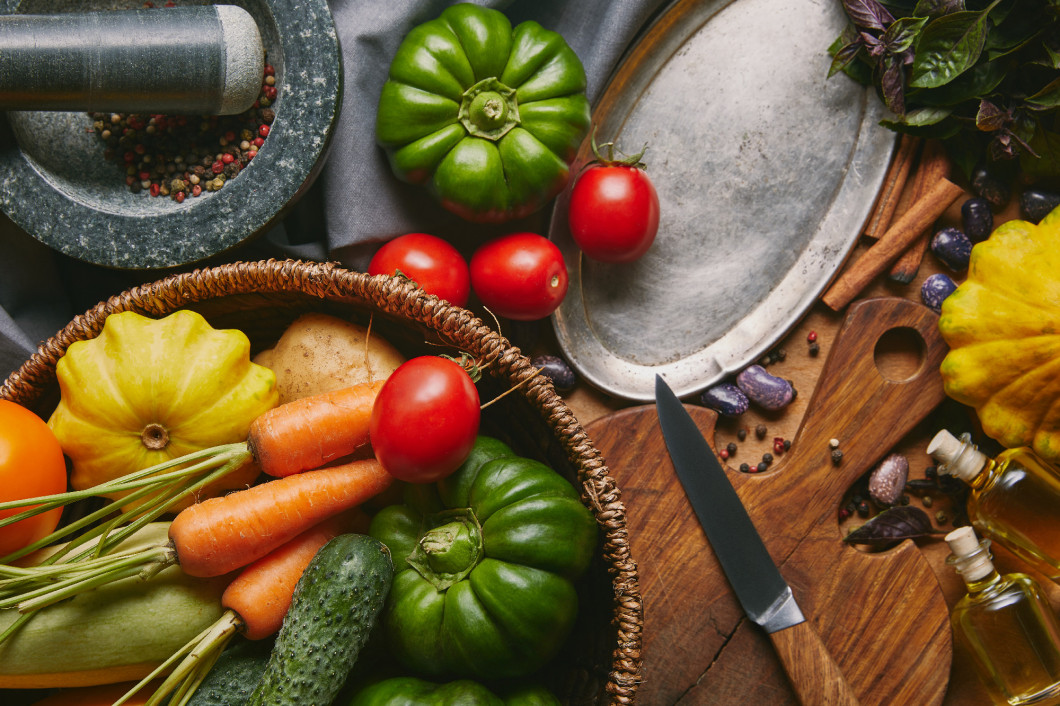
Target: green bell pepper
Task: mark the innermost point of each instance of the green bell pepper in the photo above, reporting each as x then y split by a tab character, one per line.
411	691
488	117
485	563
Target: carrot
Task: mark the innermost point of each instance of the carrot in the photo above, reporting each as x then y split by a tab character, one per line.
337	422
262	592
218	535
300	435
221	534
256	602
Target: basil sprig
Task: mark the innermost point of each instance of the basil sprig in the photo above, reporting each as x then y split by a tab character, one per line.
984	77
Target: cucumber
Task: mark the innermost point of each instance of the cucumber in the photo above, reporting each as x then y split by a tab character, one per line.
336	603
234	675
118	632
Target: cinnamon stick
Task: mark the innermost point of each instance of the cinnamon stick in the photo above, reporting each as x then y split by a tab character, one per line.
934	165
894	183
891	244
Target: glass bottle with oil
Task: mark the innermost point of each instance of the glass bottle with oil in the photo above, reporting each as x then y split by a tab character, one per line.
1006	624
1014	499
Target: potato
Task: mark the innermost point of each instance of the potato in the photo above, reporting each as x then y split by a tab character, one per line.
319	353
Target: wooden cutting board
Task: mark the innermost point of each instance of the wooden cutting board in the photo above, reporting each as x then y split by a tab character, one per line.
882	615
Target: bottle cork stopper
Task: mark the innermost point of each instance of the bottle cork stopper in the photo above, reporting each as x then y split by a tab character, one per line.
970	555
956	457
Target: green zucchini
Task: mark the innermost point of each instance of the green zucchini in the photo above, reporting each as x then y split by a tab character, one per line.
336	603
118	632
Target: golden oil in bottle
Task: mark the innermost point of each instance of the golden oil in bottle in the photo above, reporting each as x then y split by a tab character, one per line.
1014	499
1006	624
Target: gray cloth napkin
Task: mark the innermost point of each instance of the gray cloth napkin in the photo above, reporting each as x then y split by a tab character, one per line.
356	203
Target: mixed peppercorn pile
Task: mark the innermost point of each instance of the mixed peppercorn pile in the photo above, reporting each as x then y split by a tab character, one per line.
181	155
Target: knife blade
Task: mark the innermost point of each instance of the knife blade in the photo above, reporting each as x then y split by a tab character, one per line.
765	596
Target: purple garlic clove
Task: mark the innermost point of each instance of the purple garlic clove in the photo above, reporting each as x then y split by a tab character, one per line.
765	390
953	247
935	289
887	481
726	399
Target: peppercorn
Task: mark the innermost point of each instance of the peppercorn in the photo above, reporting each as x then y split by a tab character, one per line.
814	349
863	509
169	147
731	448
723	454
811	336
787	444
763	466
837	456
760	431
745	468
741	433
767	458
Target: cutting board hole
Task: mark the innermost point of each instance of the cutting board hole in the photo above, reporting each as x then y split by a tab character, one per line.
900	354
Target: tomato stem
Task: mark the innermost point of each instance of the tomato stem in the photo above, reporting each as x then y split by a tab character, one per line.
634	161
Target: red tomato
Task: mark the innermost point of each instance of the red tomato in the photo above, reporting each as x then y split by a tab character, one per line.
520	276
31	465
435	265
614	212
425	419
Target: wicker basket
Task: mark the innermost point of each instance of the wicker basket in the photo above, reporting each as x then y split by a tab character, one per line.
601	663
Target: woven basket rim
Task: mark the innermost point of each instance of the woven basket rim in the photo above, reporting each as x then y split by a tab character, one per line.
327	280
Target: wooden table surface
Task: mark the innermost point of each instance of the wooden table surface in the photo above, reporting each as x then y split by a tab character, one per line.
803	368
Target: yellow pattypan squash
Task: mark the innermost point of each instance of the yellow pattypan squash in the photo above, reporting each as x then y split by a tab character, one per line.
1003	328
148	390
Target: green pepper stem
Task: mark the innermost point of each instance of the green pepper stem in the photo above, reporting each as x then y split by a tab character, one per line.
489	109
450	549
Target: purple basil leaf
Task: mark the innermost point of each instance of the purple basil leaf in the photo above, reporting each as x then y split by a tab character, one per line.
892	526
891	84
868	14
935	8
843	57
990	117
902	34
948	46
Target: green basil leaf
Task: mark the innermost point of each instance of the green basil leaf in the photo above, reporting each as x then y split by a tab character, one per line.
935	8
1047	97
926	116
948	46
902	34
982	79
1047	164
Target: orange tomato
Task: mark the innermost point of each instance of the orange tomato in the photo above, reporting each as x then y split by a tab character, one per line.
31	465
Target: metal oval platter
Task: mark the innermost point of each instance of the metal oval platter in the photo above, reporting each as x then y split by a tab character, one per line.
766	171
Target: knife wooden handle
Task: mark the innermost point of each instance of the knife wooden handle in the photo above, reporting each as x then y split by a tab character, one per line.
813	673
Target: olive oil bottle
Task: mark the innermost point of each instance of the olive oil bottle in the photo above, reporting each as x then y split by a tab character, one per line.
1006	624
1014	499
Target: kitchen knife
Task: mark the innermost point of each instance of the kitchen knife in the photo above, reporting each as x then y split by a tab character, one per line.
763	593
